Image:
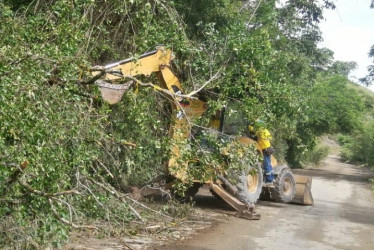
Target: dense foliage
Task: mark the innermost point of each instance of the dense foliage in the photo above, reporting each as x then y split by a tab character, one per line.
66	139
358	144
369	79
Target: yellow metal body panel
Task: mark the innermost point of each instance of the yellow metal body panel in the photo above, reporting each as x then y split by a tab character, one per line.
167	78
145	65
155	62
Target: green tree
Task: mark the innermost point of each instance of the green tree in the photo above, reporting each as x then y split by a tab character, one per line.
342	68
368	80
266	57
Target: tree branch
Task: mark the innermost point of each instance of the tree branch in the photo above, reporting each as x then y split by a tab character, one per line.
44	194
176	96
69	222
216	76
15	176
92	80
115	193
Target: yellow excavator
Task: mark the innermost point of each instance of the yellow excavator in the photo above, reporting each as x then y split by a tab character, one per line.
248	186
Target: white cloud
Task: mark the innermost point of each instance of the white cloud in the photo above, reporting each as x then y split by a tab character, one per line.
349	32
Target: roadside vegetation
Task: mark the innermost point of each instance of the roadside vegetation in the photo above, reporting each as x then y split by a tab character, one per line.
67	159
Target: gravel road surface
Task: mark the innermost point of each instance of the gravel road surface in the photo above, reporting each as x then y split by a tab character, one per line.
342	217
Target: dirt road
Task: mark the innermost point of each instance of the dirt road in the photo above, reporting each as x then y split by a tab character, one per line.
342	217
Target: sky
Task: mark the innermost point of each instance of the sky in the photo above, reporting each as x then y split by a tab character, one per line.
349	32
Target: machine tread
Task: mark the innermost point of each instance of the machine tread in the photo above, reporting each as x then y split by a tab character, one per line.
280	192
248	196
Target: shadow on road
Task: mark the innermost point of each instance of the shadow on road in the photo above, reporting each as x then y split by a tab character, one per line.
355	213
205	200
357	175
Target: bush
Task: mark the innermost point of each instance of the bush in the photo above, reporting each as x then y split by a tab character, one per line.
316	155
60	133
344	139
359	148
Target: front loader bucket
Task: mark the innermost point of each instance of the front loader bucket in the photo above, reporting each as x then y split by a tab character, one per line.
303	193
112	93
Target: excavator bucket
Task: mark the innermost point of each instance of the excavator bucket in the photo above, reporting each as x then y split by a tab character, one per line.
303	193
112	93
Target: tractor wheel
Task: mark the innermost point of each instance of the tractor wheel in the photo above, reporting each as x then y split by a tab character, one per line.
249	184
285	186
188	195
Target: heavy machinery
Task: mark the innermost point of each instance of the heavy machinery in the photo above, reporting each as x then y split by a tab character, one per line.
248	187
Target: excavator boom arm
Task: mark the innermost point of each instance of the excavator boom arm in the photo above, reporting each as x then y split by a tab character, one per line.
157	61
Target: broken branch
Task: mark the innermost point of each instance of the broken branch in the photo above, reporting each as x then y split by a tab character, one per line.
115	193
44	194
69	222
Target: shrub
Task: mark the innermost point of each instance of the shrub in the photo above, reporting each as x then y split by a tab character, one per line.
359	148
316	155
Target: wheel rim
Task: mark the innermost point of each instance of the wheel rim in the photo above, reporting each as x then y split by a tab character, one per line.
252	182
287	186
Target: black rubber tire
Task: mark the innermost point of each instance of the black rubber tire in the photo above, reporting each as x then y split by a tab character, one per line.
249	184
285	187
188	195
